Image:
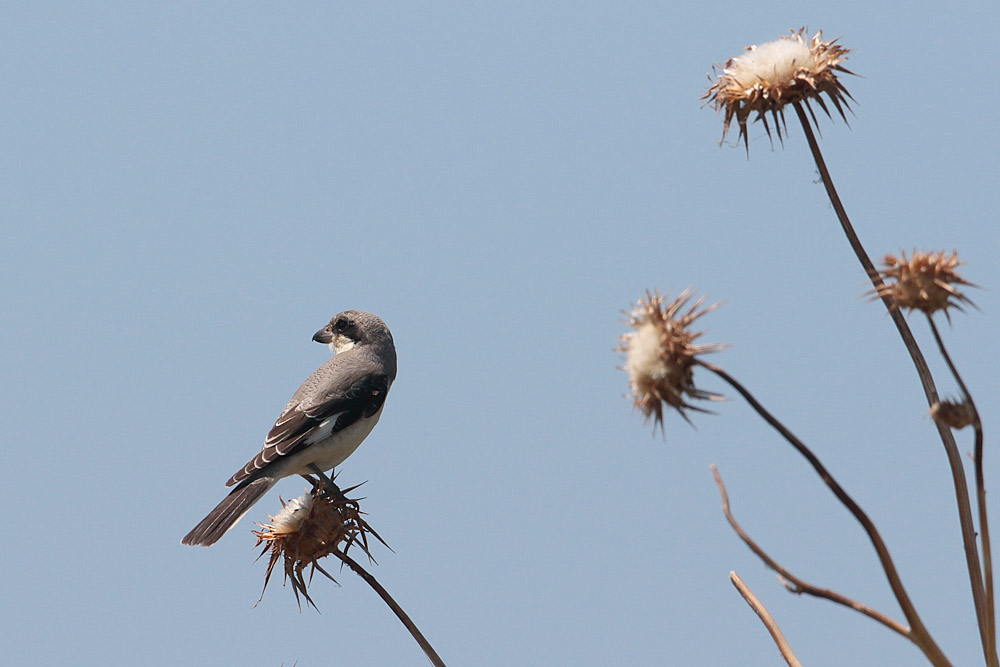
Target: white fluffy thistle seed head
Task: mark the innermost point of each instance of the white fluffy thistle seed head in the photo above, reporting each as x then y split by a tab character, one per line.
770	76
292	514
660	354
773	62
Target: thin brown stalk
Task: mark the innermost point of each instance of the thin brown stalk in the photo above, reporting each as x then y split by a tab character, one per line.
796	585
930	391
371	581
921	636
984	530
766	619
384	594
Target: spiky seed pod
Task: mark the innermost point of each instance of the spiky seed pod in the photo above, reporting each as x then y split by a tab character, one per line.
308	529
772	75
660	354
956	414
924	281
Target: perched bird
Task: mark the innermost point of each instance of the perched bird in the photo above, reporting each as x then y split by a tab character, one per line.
328	417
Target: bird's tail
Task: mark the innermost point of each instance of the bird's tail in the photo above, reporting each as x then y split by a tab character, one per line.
228	512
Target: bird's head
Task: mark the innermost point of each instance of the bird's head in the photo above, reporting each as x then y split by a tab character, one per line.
350	328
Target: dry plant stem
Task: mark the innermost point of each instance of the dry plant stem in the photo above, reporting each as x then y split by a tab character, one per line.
792	582
384	594
377	587
984	530
918	631
767	619
930	391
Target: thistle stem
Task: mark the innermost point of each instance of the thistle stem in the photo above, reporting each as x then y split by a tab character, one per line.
400	614
918	631
429	651
984	530
930	392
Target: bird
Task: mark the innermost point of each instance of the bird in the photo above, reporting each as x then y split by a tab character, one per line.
327	418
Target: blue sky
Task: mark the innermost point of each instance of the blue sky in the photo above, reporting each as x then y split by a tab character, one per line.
192	189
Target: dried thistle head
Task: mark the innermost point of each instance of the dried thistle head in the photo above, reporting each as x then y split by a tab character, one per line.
924	281
769	76
956	414
308	529
660	354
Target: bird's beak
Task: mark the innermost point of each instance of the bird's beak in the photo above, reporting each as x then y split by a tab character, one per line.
324	336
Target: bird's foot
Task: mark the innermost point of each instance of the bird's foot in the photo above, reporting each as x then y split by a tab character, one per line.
331	489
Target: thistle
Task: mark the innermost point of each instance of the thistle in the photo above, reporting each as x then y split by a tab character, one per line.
325	522
660	355
924	281
956	414
769	76
306	530
794	71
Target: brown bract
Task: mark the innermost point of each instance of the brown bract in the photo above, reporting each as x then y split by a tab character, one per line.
924	281
328	526
660	354
772	75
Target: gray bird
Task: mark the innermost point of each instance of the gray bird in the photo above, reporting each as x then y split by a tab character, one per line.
328	417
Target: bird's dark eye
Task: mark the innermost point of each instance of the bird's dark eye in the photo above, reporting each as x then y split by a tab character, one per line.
341	323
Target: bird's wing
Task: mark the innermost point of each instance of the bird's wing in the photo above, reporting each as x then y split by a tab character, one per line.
334	397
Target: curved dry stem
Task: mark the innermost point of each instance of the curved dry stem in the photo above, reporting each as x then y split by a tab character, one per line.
930	392
384	594
984	530
921	636
766	619
796	585
376	586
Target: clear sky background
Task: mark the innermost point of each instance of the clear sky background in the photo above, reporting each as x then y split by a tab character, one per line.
190	190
